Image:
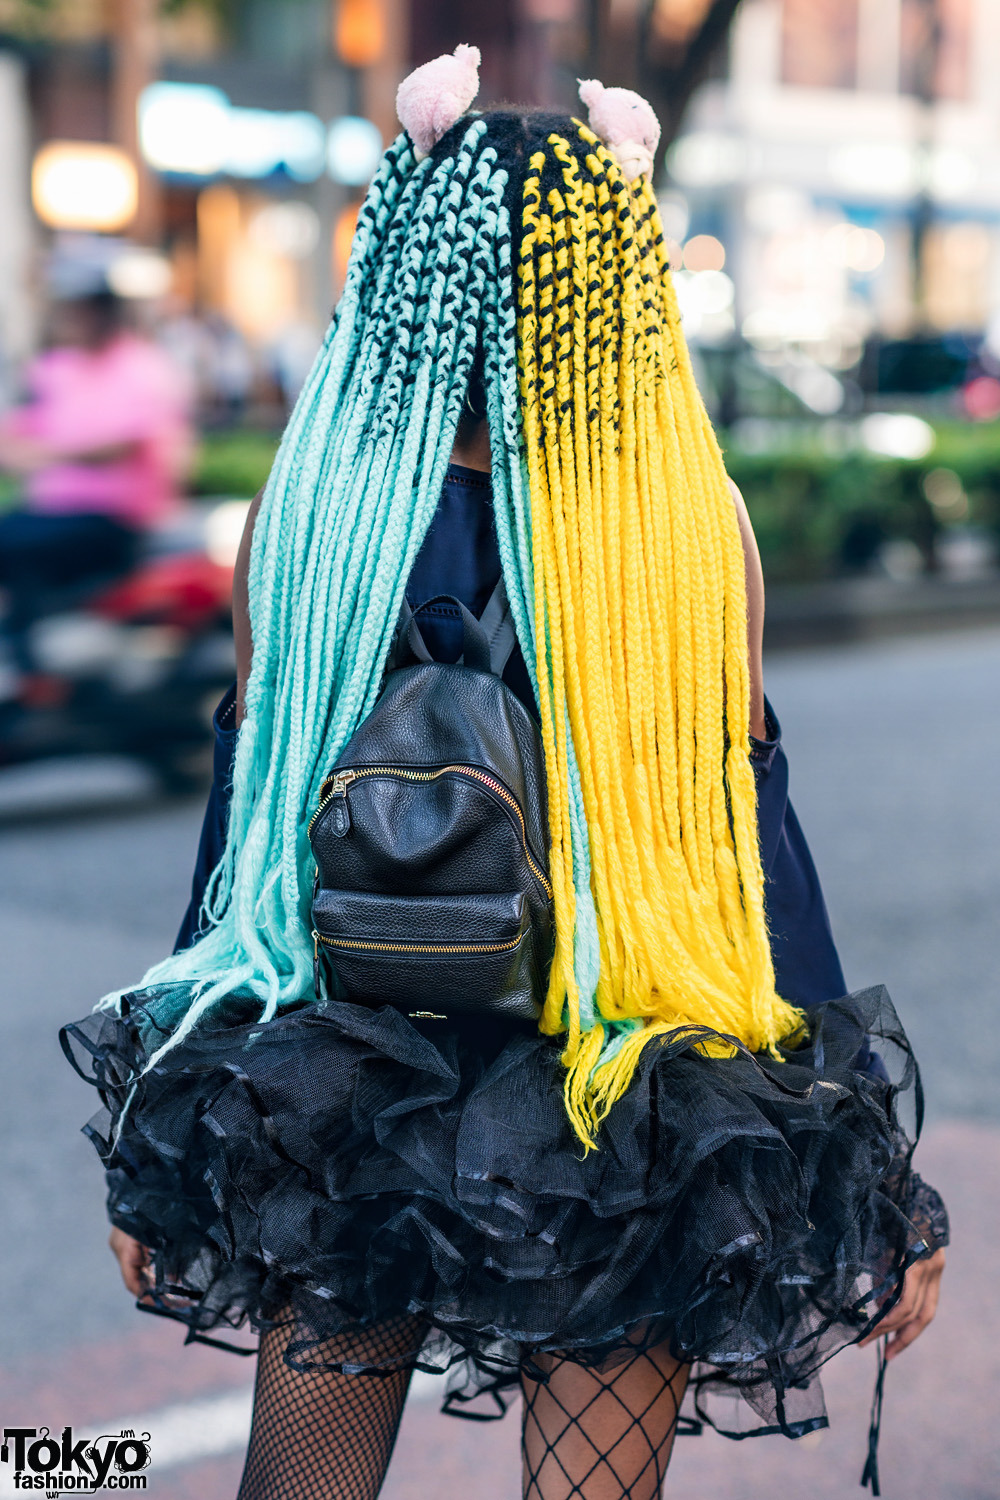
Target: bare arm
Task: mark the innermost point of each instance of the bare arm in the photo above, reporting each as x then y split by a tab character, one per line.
915	1308
755	615
134	1260
242	634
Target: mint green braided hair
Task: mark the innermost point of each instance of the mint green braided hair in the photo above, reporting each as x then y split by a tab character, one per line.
351	494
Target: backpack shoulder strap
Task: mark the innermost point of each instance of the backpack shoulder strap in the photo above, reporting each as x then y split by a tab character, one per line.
489	641
476	649
498	625
408	643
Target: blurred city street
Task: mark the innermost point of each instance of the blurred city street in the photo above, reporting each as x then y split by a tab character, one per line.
180	186
892	750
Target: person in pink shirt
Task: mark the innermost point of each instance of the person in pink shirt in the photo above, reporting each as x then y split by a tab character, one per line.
101	444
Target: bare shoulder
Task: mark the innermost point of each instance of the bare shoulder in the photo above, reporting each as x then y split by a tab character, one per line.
750	551
742	514
755	610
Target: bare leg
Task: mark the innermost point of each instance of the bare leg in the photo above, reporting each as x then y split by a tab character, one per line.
325	1436
591	1434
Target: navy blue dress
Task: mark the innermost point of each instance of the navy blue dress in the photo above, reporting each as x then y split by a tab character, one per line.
460	557
346	1163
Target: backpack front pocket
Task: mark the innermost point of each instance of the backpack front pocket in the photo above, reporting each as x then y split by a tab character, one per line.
434	828
430	955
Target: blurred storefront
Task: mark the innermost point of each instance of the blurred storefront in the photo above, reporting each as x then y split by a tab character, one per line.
835	184
247	133
233	144
845	173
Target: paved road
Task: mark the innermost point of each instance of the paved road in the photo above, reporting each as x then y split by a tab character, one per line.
892	750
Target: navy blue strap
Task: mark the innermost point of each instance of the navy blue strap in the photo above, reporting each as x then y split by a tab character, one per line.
870	1475
487	642
475	648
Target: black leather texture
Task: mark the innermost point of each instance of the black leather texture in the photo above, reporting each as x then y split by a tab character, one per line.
425	985
436	838
359	916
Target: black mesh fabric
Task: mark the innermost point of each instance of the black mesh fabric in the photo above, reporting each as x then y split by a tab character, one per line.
325	1435
340	1168
599	1433
586	1433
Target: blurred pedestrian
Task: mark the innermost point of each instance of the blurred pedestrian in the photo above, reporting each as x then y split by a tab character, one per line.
101	444
291	354
230	371
187	341
659	1154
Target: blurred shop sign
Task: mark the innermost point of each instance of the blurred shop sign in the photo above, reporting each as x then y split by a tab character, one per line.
192	130
359	32
353	149
83	185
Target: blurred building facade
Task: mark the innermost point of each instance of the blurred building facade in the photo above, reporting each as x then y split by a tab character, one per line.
245	136
836	177
847	163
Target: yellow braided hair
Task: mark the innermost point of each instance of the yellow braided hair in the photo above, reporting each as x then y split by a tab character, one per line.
641	631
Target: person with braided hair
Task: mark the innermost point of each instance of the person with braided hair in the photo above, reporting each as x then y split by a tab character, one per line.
691	1180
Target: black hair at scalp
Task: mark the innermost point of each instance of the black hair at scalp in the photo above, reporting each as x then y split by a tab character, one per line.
515	132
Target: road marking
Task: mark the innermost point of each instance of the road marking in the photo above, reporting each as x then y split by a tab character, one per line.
188	1431
71	784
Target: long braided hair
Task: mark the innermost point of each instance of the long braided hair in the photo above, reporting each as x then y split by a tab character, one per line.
640	595
624	569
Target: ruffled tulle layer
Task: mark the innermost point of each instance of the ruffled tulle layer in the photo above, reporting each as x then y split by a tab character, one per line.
339	1166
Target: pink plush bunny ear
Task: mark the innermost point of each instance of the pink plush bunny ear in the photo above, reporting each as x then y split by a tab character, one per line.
433	97
625	123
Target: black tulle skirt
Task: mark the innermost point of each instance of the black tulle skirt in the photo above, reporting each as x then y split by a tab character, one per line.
338	1167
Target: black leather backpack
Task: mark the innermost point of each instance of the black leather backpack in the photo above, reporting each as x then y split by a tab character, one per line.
430	839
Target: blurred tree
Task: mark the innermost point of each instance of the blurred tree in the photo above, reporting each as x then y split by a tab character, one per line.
663	48
921	61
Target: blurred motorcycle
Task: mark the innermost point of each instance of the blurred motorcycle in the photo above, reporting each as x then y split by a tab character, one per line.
134	665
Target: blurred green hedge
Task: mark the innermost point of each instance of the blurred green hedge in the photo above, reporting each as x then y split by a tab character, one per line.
822	514
817	513
233	463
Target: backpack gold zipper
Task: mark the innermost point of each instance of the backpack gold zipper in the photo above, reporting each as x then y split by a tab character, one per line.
341	780
318	938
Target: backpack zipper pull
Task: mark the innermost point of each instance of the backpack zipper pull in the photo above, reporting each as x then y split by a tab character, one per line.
340	814
320	972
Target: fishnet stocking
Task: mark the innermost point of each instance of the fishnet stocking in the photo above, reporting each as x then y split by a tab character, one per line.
600	1434
324	1436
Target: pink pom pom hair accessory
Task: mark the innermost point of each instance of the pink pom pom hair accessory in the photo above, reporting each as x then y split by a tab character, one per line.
433	97
625	123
